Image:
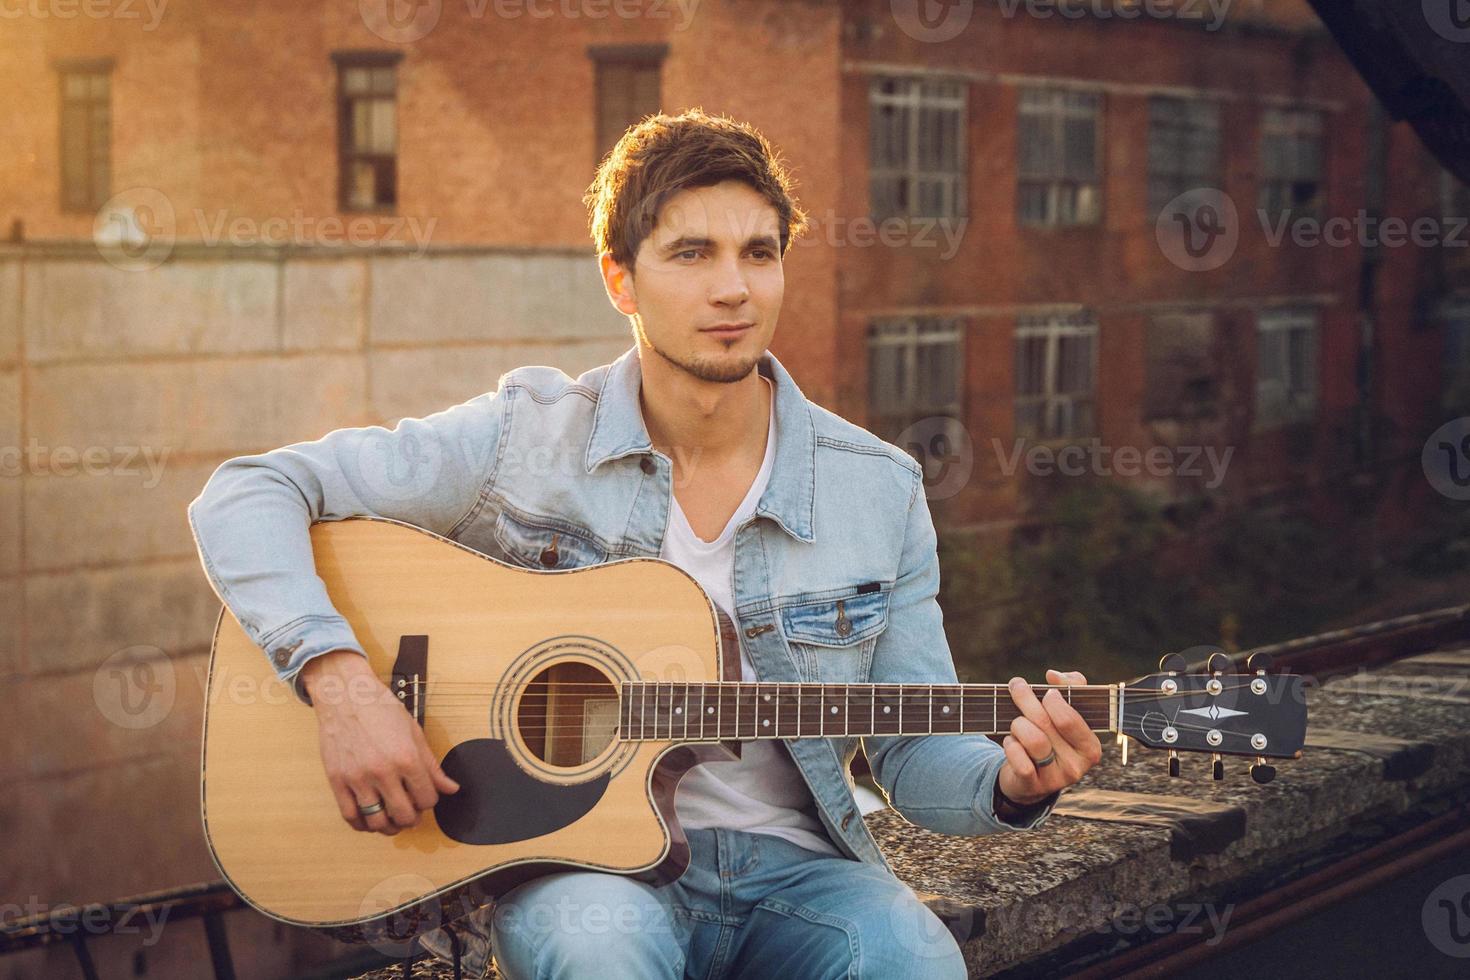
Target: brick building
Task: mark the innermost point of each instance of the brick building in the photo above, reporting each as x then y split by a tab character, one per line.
233	225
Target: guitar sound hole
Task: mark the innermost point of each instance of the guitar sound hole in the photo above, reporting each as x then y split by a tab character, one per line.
568	714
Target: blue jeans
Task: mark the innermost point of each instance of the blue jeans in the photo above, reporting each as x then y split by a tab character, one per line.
749	906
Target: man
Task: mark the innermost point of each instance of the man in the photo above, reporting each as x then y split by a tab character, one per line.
696	446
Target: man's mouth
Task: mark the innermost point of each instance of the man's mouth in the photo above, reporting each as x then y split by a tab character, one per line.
727	331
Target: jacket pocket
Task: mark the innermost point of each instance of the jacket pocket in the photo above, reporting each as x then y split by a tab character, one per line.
550	545
833	638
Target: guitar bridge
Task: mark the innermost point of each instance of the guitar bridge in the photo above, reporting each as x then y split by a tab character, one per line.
411	674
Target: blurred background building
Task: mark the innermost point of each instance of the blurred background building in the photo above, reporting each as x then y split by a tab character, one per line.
230	226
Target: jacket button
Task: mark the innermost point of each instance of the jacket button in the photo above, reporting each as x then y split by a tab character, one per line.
281	657
646	465
847	820
548	554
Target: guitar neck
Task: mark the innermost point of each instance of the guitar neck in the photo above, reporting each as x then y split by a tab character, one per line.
720	710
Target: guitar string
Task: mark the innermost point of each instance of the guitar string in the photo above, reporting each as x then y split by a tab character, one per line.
665	720
467	687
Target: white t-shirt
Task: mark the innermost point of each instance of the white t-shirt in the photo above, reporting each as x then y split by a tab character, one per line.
763	791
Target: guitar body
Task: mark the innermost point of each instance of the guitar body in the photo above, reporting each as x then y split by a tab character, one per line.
523	668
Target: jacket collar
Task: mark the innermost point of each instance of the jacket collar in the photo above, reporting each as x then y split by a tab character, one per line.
790	497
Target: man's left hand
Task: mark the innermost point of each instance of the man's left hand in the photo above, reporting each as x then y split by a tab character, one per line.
1046	728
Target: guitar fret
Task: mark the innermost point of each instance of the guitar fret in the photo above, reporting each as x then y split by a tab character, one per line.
947	700
789	709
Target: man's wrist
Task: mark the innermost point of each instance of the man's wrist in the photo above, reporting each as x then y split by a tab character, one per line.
342	663
1009	811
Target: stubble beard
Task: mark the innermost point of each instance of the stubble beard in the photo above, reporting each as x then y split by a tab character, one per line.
716	370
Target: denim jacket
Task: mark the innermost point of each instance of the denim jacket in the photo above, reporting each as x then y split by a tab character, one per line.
551	462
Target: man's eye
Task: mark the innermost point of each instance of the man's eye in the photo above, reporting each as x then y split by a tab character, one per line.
693	252
763	253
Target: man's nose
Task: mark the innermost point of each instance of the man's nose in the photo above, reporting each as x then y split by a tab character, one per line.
729	287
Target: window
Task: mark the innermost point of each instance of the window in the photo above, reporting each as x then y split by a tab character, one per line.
1456	316
1057	168
1183	148
1182	378
914	371
86	134
627	88
1056	364
1286	367
1291	162
916	149
367	111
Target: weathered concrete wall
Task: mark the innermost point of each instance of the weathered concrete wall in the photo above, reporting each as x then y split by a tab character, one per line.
120	392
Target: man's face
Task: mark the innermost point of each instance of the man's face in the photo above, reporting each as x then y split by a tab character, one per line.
708	281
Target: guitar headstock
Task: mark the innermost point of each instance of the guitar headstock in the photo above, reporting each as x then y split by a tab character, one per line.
1217	711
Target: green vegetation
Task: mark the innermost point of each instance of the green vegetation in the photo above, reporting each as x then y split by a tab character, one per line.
1109	582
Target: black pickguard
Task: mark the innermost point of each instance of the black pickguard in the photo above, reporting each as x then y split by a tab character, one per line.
499	802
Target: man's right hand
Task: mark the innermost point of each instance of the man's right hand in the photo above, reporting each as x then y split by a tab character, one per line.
372	748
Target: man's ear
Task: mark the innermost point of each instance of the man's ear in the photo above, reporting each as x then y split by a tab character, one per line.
618	281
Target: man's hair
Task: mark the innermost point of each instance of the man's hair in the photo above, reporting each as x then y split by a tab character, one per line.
663	155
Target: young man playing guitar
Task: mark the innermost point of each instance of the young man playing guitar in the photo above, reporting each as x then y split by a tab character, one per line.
809	533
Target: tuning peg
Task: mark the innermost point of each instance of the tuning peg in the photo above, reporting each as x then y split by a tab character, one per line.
1174	663
1173	762
1218	663
1259	662
1261	772
1217	767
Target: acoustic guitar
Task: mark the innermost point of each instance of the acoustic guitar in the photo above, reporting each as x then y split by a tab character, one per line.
567	704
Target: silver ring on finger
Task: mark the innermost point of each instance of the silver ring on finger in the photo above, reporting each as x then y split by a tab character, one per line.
368	811
1043	763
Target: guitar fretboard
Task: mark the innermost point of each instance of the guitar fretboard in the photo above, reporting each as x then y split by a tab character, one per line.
728	710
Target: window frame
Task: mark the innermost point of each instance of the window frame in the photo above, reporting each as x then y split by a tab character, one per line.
1184	129
1057	115
915	96
909	333
632	56
66	69
1299	406
1052	327
347	155
1289	123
